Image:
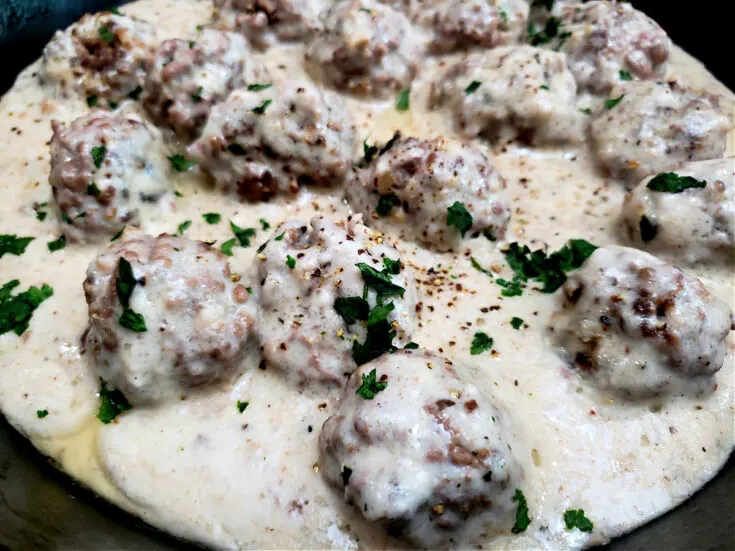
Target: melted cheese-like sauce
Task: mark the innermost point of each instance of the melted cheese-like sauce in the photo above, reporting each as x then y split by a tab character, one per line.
201	470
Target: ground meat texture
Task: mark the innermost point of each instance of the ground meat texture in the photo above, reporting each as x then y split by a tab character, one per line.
265	21
464	24
697	224
428	456
606	38
187	77
103	168
656	127
512	92
639	327
101	56
301	332
261	143
366	47
198	320
416	181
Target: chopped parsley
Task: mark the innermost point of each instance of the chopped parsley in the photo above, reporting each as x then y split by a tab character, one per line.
612	102
371	385
118	234
488	234
16	311
503	15
390	143
459	217
196	97
545	35
392	266
550	270
265	226
135	94
242	406
472	87
106	35
366	10
132	320
368	152
243	235
671	182
522	520
258	87
346	474
112	403
574	518
290	262
379	314
227	246
378	341
262	107
192	43
181	163
403	102
352	309
648	229
57	244
624	75
98	155
386	203
411	346
115	11
93	190
516	323
379	281
476	266
40	214
280	237
513	288
41	413
112	103
585	110
212	217
183	227
543	87
236	149
481	342
12	244
92	100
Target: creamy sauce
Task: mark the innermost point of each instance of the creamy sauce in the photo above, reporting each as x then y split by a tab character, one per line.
200	469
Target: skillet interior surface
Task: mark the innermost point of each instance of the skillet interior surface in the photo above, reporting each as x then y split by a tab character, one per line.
41	508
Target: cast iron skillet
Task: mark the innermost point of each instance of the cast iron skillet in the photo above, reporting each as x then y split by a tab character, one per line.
41	508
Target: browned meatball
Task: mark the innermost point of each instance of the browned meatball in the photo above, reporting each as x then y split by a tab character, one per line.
100	56
421	450
187	77
194	320
639	327
103	168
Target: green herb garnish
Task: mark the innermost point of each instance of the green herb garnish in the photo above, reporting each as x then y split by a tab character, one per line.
671	182
459	217
472	87
624	75
185	225
403	102
135	94
371	385
57	244
612	102
132	320
258	87
106	35
16	311
181	163
212	217
262	107
516	323
290	262
352	309
98	155
243	235
41	413
227	246
522	520
92	100
386	203
264	225
574	518
112	403
12	244
379	281
196	97
242	406
481	342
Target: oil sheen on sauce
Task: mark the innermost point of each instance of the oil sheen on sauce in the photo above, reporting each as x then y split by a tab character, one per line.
200	469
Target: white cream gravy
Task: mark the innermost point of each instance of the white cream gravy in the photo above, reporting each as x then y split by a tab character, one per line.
201	470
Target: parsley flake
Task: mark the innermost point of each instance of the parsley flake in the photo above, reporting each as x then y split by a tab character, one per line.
612	102
386	204
459	217
411	346
371	385
352	309
112	403
258	87
513	288
98	155
481	342
392	266
574	518
12	244
403	102
92	100
242	406
264	225
227	246
522	520
280	237
476	265
57	244
132	320
585	110
212	217
181	163
41	413
196	97
545	35
624	75
135	94
243	235
671	182
516	323
16	311
185	225
262	107
118	234
290	262
106	35
379	281
472	87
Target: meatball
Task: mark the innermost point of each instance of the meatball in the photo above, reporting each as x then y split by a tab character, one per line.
420	450
648	127
195	323
265	21
464	24
606	41
103	168
418	183
259	143
639	327
317	286
696	224
366	48
100	56
512	92
187	77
